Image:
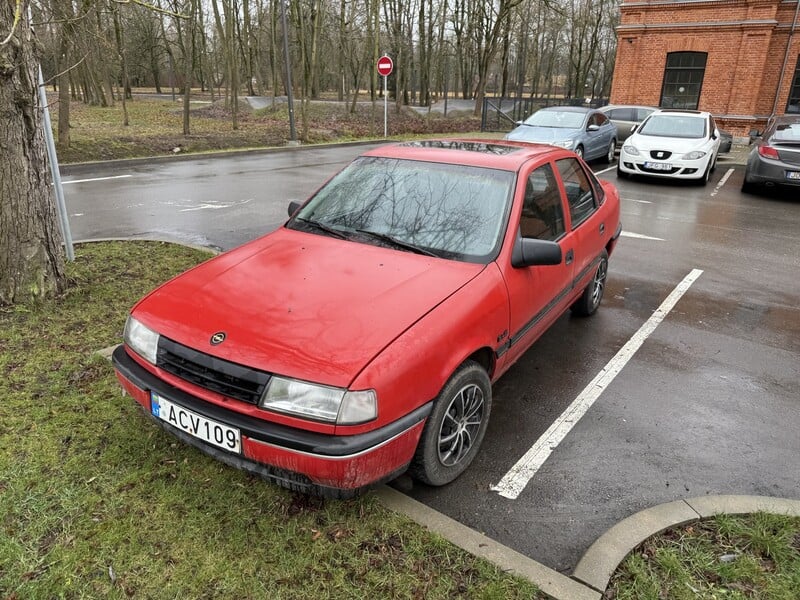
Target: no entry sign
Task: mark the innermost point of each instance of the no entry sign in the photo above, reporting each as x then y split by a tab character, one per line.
385	66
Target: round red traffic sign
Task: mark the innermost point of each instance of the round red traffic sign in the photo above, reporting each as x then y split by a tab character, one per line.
385	66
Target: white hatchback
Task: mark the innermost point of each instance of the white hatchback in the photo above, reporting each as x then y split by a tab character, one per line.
679	144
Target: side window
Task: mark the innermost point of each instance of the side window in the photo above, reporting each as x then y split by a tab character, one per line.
621	114
542	212
601	119
643	113
580	193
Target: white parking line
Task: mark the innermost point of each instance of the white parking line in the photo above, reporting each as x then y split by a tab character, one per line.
640	236
513	483
96	179
722	182
605	170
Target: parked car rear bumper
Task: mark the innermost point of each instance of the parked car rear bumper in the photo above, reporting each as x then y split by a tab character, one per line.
764	171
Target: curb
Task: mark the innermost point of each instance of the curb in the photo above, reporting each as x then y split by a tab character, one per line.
604	556
595	569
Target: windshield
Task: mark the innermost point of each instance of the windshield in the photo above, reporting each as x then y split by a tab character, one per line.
452	211
556	118
678	126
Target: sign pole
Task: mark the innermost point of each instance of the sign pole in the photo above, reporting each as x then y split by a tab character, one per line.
385	66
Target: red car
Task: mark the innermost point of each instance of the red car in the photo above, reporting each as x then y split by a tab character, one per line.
361	339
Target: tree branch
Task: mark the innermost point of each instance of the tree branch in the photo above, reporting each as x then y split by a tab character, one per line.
17	17
67	70
153	7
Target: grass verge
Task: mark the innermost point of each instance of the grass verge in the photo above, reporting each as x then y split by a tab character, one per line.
97	502
728	557
156	127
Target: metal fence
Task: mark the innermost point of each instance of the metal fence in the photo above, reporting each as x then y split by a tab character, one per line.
502	114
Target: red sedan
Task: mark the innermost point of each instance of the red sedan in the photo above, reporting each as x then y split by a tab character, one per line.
361	339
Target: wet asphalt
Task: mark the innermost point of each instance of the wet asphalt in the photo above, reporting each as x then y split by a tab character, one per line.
710	404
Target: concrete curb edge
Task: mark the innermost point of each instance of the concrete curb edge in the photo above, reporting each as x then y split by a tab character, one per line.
603	557
546	579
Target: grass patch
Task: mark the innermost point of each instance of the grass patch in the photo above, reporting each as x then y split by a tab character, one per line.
728	557
156	127
98	502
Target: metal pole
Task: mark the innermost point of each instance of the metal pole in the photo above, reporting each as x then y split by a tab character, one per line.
290	97
56	174
385	110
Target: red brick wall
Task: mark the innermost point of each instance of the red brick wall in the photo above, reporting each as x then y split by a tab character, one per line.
745	54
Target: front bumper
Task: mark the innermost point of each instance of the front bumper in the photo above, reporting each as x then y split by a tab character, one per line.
679	169
310	462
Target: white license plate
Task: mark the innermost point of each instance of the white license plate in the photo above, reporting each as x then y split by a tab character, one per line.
658	166
217	434
793	175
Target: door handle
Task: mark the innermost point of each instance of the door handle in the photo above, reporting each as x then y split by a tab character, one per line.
569	256
602	228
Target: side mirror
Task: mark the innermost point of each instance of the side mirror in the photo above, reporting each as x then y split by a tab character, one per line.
593	127
294	206
529	252
715	134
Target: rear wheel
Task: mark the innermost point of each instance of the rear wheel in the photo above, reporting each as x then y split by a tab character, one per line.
748	187
455	428
592	295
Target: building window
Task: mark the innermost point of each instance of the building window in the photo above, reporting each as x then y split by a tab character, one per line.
793	105
683	79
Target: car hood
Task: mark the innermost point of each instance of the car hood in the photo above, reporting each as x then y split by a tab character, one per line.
542	135
302	305
672	144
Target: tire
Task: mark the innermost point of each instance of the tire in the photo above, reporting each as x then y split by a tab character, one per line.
706	176
592	295
748	187
714	165
622	174
455	428
612	150
579	151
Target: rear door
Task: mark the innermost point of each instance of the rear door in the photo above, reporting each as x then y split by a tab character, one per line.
589	232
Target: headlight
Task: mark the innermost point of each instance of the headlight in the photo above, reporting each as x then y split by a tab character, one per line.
630	150
565	144
694	155
143	340
321	402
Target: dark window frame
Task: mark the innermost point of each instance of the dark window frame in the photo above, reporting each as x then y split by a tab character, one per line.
793	101
553	219
672	66
587	197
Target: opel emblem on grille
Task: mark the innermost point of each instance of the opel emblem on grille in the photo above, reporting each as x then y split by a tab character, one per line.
218	338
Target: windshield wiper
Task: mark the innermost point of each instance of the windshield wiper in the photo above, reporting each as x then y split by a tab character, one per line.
399	243
322	227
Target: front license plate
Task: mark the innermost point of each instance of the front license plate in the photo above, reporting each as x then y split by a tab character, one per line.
208	430
658	166
793	175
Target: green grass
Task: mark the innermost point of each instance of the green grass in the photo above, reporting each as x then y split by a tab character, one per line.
156	127
97	502
729	557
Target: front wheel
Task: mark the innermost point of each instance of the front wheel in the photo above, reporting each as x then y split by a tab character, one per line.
706	176
622	174
592	295
612	149
455	428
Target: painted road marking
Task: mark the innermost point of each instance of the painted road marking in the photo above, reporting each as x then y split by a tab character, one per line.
722	182
514	482
640	236
96	179
611	168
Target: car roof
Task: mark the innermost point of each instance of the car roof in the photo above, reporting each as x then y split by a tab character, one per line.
783	119
676	111
575	109
495	154
610	106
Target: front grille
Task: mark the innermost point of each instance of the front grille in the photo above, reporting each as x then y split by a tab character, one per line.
660	154
211	373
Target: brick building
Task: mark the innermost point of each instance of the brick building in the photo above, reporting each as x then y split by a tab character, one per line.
738	59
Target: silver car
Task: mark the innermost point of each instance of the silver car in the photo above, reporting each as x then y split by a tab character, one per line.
775	159
626	117
585	131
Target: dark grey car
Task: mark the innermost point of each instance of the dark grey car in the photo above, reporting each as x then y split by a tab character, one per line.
775	158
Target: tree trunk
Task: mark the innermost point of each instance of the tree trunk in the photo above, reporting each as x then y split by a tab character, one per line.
31	259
